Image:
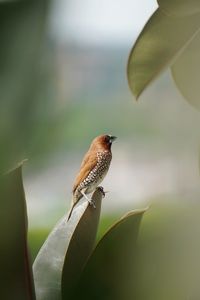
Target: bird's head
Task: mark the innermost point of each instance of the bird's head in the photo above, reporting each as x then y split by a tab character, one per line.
104	141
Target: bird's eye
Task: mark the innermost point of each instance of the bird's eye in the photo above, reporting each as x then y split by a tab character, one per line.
107	139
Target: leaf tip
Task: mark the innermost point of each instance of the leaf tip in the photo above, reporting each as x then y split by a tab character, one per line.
135	212
16	167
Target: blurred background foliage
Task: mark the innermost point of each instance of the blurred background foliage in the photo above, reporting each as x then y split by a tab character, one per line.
62	82
22	43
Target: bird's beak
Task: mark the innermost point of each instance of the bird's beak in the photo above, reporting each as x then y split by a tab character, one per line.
113	138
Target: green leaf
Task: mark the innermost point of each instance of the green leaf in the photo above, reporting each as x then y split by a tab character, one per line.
16	274
168	265
160	43
179	7
109	273
64	253
186	72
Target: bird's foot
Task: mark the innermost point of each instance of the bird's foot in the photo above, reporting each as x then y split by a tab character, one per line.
91	202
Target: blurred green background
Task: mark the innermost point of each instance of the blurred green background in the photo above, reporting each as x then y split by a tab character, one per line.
63	82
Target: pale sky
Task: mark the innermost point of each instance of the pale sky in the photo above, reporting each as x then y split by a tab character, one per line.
99	21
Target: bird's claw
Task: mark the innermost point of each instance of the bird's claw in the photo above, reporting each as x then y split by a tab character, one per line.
91	202
102	191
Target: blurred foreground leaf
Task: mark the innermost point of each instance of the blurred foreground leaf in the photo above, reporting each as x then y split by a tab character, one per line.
16	274
186	72
110	271
169	39
160	43
64	254
168	265
179	7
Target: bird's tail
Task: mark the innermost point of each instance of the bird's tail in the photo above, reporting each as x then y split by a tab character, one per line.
71	209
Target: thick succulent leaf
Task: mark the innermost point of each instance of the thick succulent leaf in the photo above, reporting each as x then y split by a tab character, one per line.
16	274
161	41
64	253
179	7
186	72
110	272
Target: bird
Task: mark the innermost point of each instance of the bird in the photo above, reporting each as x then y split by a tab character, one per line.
93	169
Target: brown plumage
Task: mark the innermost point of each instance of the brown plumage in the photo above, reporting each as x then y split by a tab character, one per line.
94	168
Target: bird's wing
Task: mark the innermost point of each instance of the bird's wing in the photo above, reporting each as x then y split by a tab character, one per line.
87	165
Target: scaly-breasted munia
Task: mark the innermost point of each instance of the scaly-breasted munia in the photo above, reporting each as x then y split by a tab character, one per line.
93	169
